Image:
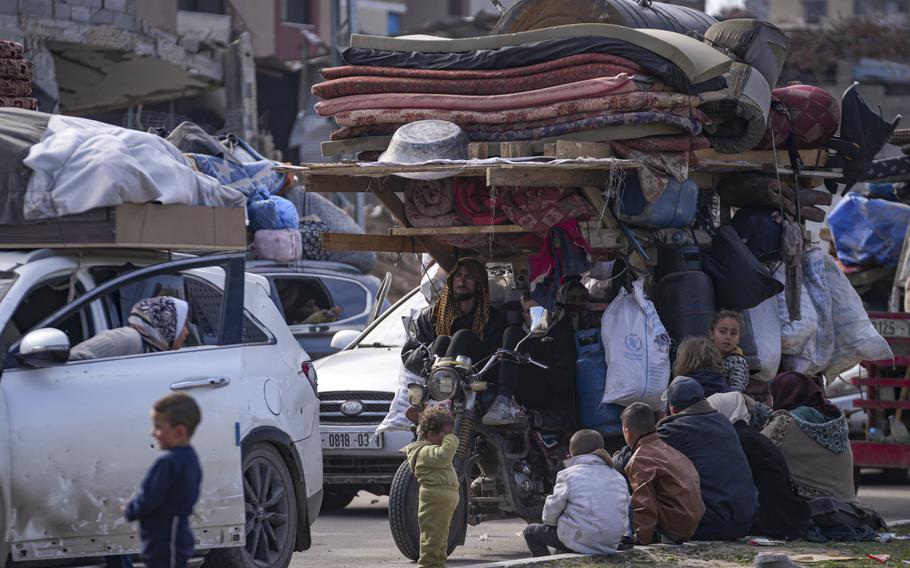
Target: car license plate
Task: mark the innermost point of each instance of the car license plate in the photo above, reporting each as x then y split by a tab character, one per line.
892	327
351	440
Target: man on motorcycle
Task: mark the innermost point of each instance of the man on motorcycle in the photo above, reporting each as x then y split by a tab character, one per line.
461	322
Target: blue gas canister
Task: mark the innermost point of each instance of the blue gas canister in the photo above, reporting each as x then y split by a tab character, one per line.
590	380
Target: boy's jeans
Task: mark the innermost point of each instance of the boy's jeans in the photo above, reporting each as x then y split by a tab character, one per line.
539	537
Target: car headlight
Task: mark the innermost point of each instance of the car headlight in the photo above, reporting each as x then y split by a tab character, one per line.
417	395
442	384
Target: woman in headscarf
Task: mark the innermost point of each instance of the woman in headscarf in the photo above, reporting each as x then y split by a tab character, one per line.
781	512
813	436
154	324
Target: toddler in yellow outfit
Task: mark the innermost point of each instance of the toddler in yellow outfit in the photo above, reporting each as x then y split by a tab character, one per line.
430	459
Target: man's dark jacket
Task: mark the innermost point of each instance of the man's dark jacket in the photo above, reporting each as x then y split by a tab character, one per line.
426	334
708	439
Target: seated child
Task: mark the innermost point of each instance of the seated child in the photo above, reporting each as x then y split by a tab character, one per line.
588	511
430	459
666	497
726	328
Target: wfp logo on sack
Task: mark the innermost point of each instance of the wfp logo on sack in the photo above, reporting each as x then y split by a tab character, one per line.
634	346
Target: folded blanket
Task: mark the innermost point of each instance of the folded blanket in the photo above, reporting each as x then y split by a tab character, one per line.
330	73
640	99
539	208
16	69
474	203
667	144
598	87
11	49
366	85
15	87
27	103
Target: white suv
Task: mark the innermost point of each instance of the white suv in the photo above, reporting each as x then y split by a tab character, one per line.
356	389
74	436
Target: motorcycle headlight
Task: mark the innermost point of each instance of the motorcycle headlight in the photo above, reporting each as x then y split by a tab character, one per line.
442	384
417	395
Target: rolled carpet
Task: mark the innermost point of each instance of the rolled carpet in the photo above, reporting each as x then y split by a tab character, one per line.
685	124
330	73
635	100
739	113
368	85
600	86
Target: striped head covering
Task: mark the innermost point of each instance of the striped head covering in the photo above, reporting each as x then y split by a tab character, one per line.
446	310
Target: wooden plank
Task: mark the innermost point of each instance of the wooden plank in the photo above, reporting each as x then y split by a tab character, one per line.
337	184
570	149
481	150
355	145
814	158
377	243
515	149
472	230
546	177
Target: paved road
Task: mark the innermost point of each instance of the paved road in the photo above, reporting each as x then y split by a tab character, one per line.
359	535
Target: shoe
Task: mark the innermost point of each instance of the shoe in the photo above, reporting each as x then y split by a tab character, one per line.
503	411
627	543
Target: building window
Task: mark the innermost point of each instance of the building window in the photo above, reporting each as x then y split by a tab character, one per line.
297	11
816	10
207	6
394	23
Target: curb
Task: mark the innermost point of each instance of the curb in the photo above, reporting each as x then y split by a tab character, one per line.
528	561
899	523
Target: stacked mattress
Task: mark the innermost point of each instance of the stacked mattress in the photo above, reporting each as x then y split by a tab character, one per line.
15	77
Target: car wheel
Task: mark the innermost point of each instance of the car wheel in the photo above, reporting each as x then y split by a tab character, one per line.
337	498
403	514
271	514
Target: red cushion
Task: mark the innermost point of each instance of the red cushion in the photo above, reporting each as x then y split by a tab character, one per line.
814	116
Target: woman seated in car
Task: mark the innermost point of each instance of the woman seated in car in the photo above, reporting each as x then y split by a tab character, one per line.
155	324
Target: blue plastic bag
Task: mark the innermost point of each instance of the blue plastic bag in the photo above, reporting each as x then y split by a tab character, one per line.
868	231
273	212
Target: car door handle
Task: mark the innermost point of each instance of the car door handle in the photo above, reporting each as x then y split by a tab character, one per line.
211	382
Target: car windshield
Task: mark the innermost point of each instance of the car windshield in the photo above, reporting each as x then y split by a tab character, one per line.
388	330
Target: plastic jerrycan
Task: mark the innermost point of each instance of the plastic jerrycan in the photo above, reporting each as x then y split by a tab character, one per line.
685	294
590	380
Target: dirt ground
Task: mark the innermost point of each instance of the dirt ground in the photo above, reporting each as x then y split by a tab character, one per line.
728	555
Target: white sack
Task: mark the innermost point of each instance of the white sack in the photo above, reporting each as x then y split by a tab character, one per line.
855	337
82	164
766	332
811	339
637	350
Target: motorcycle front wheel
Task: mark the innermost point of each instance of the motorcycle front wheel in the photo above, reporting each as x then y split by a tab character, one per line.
403	514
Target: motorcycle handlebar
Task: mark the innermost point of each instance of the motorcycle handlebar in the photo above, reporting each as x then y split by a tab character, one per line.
514	356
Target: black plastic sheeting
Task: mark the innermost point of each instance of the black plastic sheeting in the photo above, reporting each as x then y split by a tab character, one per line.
535	14
531	54
740	280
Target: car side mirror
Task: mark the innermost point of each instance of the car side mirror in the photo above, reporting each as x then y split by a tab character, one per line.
45	347
344	338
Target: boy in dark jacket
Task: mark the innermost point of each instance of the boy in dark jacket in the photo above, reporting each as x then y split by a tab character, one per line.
171	487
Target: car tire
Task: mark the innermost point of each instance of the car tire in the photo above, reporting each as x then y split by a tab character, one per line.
403	514
337	498
271	514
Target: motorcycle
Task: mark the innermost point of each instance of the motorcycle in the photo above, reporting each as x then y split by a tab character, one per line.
503	471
